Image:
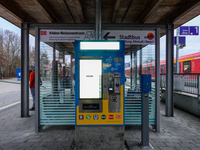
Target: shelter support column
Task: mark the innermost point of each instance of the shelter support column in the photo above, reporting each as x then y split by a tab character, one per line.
24	70
37	80
98	20
157	80
169	110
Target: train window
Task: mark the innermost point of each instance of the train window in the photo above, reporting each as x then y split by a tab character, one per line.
152	69
162	68
148	69
145	70
187	66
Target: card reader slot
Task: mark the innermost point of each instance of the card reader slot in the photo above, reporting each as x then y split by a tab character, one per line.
90	106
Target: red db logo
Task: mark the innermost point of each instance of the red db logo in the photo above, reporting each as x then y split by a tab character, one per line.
118	116
111	116
43	32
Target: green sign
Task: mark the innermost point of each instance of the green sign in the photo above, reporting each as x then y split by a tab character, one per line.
88	117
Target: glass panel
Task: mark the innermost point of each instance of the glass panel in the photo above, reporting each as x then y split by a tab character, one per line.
133	93
57	96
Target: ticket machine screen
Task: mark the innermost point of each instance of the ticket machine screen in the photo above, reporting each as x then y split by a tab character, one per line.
90	79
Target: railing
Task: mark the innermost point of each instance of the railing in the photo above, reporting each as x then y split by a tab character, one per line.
188	83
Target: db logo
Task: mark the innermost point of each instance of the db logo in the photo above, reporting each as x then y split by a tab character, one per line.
43	32
118	116
111	116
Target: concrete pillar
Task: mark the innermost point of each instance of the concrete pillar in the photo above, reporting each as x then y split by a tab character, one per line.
169	70
24	70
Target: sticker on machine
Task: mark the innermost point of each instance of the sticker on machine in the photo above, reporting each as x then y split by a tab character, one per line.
118	116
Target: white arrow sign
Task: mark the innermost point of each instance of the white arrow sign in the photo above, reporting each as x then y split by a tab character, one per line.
131	37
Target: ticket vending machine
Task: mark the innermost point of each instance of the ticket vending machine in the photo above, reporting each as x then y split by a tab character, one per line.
99	90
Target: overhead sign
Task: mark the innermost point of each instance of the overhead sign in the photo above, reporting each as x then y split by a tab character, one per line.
66	35
194	30
181	40
130	37
189	30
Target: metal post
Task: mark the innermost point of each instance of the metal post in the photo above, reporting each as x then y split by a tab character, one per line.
1	72
24	70
135	68
140	62
37	80
131	73
98	19
157	80
43	68
177	50
71	68
198	88
169	70
145	119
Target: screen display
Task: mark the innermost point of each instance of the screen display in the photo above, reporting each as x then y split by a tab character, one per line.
90	78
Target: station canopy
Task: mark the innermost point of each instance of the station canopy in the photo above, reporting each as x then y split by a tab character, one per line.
177	12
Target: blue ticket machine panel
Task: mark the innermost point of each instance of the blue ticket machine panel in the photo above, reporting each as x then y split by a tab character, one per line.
99	82
146	82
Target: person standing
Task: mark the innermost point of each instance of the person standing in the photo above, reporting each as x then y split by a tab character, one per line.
32	87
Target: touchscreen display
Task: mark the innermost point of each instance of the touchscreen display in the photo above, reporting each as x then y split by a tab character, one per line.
90	78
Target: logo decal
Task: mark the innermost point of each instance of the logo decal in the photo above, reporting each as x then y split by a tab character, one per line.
103	117
81	117
96	117
118	116
88	117
43	32
111	117
150	36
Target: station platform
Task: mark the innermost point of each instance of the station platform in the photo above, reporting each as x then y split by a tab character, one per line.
181	132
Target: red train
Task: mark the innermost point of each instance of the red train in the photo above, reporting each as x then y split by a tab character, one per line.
187	64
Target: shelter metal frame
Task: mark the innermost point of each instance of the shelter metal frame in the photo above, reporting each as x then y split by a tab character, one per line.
25	27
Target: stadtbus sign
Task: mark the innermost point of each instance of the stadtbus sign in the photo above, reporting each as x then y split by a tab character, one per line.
130	37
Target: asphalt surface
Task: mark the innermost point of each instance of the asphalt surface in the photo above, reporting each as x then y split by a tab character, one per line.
9	92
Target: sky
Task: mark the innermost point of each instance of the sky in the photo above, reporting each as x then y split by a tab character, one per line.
192	42
5	25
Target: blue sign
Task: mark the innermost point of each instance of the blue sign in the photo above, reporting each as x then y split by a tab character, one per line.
127	65
194	30
103	117
181	40
184	30
189	30
81	117
96	117
146	82
18	72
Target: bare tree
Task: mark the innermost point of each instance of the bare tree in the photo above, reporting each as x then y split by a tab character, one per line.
32	56
11	53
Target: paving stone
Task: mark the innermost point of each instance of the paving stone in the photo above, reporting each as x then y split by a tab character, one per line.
179	132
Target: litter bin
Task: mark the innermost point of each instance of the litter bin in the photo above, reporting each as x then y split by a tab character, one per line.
18	72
